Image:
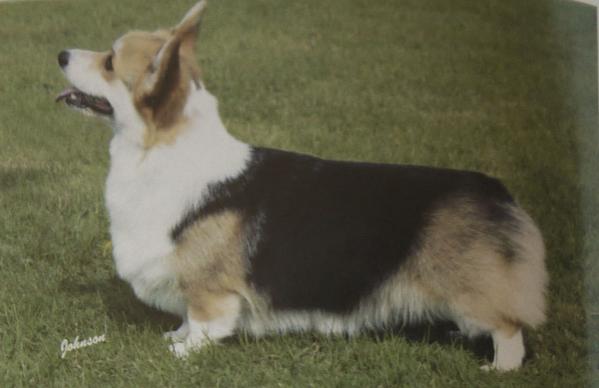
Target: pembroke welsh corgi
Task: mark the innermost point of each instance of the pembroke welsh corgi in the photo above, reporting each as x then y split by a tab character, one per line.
231	237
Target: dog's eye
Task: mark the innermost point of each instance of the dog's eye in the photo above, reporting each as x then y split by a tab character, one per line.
108	63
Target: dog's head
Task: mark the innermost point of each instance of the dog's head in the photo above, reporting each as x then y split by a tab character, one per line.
143	80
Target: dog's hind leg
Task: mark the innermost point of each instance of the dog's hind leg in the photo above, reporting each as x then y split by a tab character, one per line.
509	350
508	342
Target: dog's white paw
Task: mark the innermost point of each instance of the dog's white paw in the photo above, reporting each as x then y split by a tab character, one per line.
174	336
495	368
179	350
183	349
171	335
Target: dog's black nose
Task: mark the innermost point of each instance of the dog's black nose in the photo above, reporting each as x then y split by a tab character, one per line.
63	58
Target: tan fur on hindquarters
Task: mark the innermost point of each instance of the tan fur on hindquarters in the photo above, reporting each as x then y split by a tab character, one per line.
489	272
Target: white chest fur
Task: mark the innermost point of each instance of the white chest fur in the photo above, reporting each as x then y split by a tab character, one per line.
149	191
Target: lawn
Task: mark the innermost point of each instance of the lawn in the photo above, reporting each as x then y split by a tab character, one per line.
506	87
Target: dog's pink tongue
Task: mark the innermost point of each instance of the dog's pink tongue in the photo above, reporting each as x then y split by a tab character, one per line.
66	93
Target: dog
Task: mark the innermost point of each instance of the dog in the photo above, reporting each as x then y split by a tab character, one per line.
233	237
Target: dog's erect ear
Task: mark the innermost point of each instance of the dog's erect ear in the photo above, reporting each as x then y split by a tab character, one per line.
189	29
174	65
189	26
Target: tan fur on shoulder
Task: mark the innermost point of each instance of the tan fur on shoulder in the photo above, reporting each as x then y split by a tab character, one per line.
210	264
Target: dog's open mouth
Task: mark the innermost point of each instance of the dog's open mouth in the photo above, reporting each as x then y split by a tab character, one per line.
77	99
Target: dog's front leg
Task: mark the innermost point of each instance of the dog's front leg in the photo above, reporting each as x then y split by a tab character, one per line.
208	320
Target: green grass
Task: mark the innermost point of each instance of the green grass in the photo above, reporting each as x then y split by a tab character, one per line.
507	87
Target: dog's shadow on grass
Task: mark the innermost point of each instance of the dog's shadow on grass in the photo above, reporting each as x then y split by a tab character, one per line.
447	333
122	306
444	333
11	177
